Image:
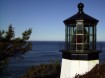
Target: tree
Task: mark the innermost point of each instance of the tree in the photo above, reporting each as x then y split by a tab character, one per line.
11	46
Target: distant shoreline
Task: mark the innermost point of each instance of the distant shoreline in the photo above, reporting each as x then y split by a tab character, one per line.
53	41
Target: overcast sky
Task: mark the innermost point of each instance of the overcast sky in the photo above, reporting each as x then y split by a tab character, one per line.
45	17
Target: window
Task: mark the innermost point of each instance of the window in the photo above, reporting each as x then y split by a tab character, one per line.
91	30
79	29
79	38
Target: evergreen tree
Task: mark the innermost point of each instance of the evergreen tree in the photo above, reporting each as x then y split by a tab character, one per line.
11	46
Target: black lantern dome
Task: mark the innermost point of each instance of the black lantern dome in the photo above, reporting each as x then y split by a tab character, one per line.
81	15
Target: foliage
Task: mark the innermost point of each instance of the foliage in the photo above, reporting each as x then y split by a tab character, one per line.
11	46
97	72
51	70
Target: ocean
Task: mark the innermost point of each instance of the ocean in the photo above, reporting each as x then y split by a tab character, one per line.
42	52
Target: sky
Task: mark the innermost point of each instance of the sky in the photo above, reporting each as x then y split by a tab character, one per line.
46	17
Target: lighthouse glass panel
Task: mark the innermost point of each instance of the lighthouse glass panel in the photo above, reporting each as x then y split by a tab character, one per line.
89	37
80	37
70	37
73	37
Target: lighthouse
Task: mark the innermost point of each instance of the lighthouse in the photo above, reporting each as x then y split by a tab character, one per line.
79	55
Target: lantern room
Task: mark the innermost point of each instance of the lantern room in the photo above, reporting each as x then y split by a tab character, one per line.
80	31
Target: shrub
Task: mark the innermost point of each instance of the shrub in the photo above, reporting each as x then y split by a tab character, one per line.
51	70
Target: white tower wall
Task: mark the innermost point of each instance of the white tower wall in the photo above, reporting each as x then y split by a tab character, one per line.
70	68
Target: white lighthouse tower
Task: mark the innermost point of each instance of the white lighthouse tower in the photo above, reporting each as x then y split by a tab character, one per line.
80	54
